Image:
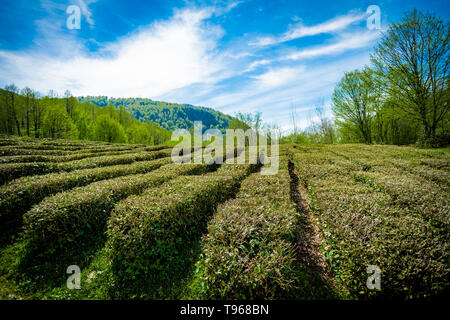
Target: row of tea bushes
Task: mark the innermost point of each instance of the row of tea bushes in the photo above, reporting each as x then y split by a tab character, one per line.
69	148
14	140
364	226
151	237
11	171
250	249
82	154
11	151
420	189
420	197
72	221
19	195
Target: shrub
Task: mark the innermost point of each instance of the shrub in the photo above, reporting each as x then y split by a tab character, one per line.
366	219
18	196
150	236
82	154
64	225
13	171
249	251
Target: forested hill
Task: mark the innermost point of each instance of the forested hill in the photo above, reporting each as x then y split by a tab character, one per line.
168	115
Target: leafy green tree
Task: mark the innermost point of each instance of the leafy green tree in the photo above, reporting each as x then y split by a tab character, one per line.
10	102
84	124
355	99
412	61
29	95
57	123
108	129
139	134
159	134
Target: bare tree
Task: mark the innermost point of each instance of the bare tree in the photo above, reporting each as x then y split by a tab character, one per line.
325	125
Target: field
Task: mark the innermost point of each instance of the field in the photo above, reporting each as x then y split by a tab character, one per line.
141	227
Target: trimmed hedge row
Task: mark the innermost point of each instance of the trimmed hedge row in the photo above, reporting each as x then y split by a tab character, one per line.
420	189
11	171
249	251
18	196
151	236
82	154
421	197
11	151
73	149
71	220
364	225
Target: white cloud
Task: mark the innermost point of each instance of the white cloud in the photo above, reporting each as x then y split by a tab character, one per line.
264	41
256	64
348	42
84	7
274	92
161	57
330	26
300	30
276	77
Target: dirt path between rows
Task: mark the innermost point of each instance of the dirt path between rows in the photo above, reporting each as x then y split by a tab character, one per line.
309	236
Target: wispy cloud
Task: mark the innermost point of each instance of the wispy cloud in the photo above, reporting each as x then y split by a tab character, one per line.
84	7
347	42
256	64
276	77
300	30
330	26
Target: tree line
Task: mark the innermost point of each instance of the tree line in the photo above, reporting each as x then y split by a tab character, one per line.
402	97
25	113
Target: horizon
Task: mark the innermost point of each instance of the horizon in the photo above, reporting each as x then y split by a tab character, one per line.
238	56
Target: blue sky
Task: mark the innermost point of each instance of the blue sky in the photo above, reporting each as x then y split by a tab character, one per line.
248	55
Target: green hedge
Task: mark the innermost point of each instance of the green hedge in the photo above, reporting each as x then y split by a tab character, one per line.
249	250
151	236
18	196
12	151
68	223
11	171
82	154
372	215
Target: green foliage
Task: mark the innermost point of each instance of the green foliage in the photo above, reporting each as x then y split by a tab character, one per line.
170	116
108	129
378	205
405	99
355	99
18	196
11	171
225	234
411	62
68	223
249	251
57	123
154	249
26	114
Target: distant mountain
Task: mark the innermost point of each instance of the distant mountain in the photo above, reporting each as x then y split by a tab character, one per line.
168	115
